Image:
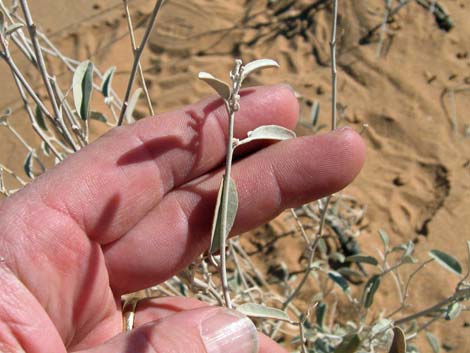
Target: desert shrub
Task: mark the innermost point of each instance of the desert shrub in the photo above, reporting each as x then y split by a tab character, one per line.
299	307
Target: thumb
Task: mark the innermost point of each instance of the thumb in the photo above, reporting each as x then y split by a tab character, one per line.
203	330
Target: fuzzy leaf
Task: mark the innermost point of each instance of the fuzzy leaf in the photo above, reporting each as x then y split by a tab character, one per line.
385	239
98	116
399	341
82	86
13	28
261	311
433	342
369	291
40	118
107	80
362	259
256	65
320	313
268	132
453	310
216	234
339	280
2	22
28	165
314	113
132	104
222	88
447	261
350	344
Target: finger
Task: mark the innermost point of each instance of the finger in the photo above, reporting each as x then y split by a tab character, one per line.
202	330
157	309
284	175
112	183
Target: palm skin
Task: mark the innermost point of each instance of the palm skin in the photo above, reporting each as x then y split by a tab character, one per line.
135	207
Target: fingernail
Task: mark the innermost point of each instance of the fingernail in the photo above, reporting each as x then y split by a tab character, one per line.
228	331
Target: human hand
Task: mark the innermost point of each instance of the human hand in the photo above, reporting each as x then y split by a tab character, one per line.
134	208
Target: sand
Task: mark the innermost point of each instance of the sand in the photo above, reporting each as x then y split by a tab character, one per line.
416	180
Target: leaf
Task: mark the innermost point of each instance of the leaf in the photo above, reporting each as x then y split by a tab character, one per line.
369	291
350	344
453	310
362	259
268	132
399	341
222	88
339	280
320	313
82	86
40	118
380	326
132	104
315	112
98	116
107	80
433	342
28	165
45	148
261	311
385	239
256	65
2	22
410	246
13	28
411	348
447	261
216	234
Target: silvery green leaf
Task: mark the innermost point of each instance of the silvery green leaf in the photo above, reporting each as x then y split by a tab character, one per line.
410	246
40	118
82	87
315	112
28	165
45	148
216	234
261	311
399	341
256	65
222	88
107	80
13	28
362	259
380	326
268	132
408	259
132	104
320	313
2	22
411	348
369	291
433	342
453	310
337	256
350	344
447	261
339	280
98	116
385	239
350	273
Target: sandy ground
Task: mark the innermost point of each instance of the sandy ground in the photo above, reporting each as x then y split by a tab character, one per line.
416	180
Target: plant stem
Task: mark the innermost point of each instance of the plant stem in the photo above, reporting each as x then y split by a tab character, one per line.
457	296
137	56
134	48
44	74
225	195
334	25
